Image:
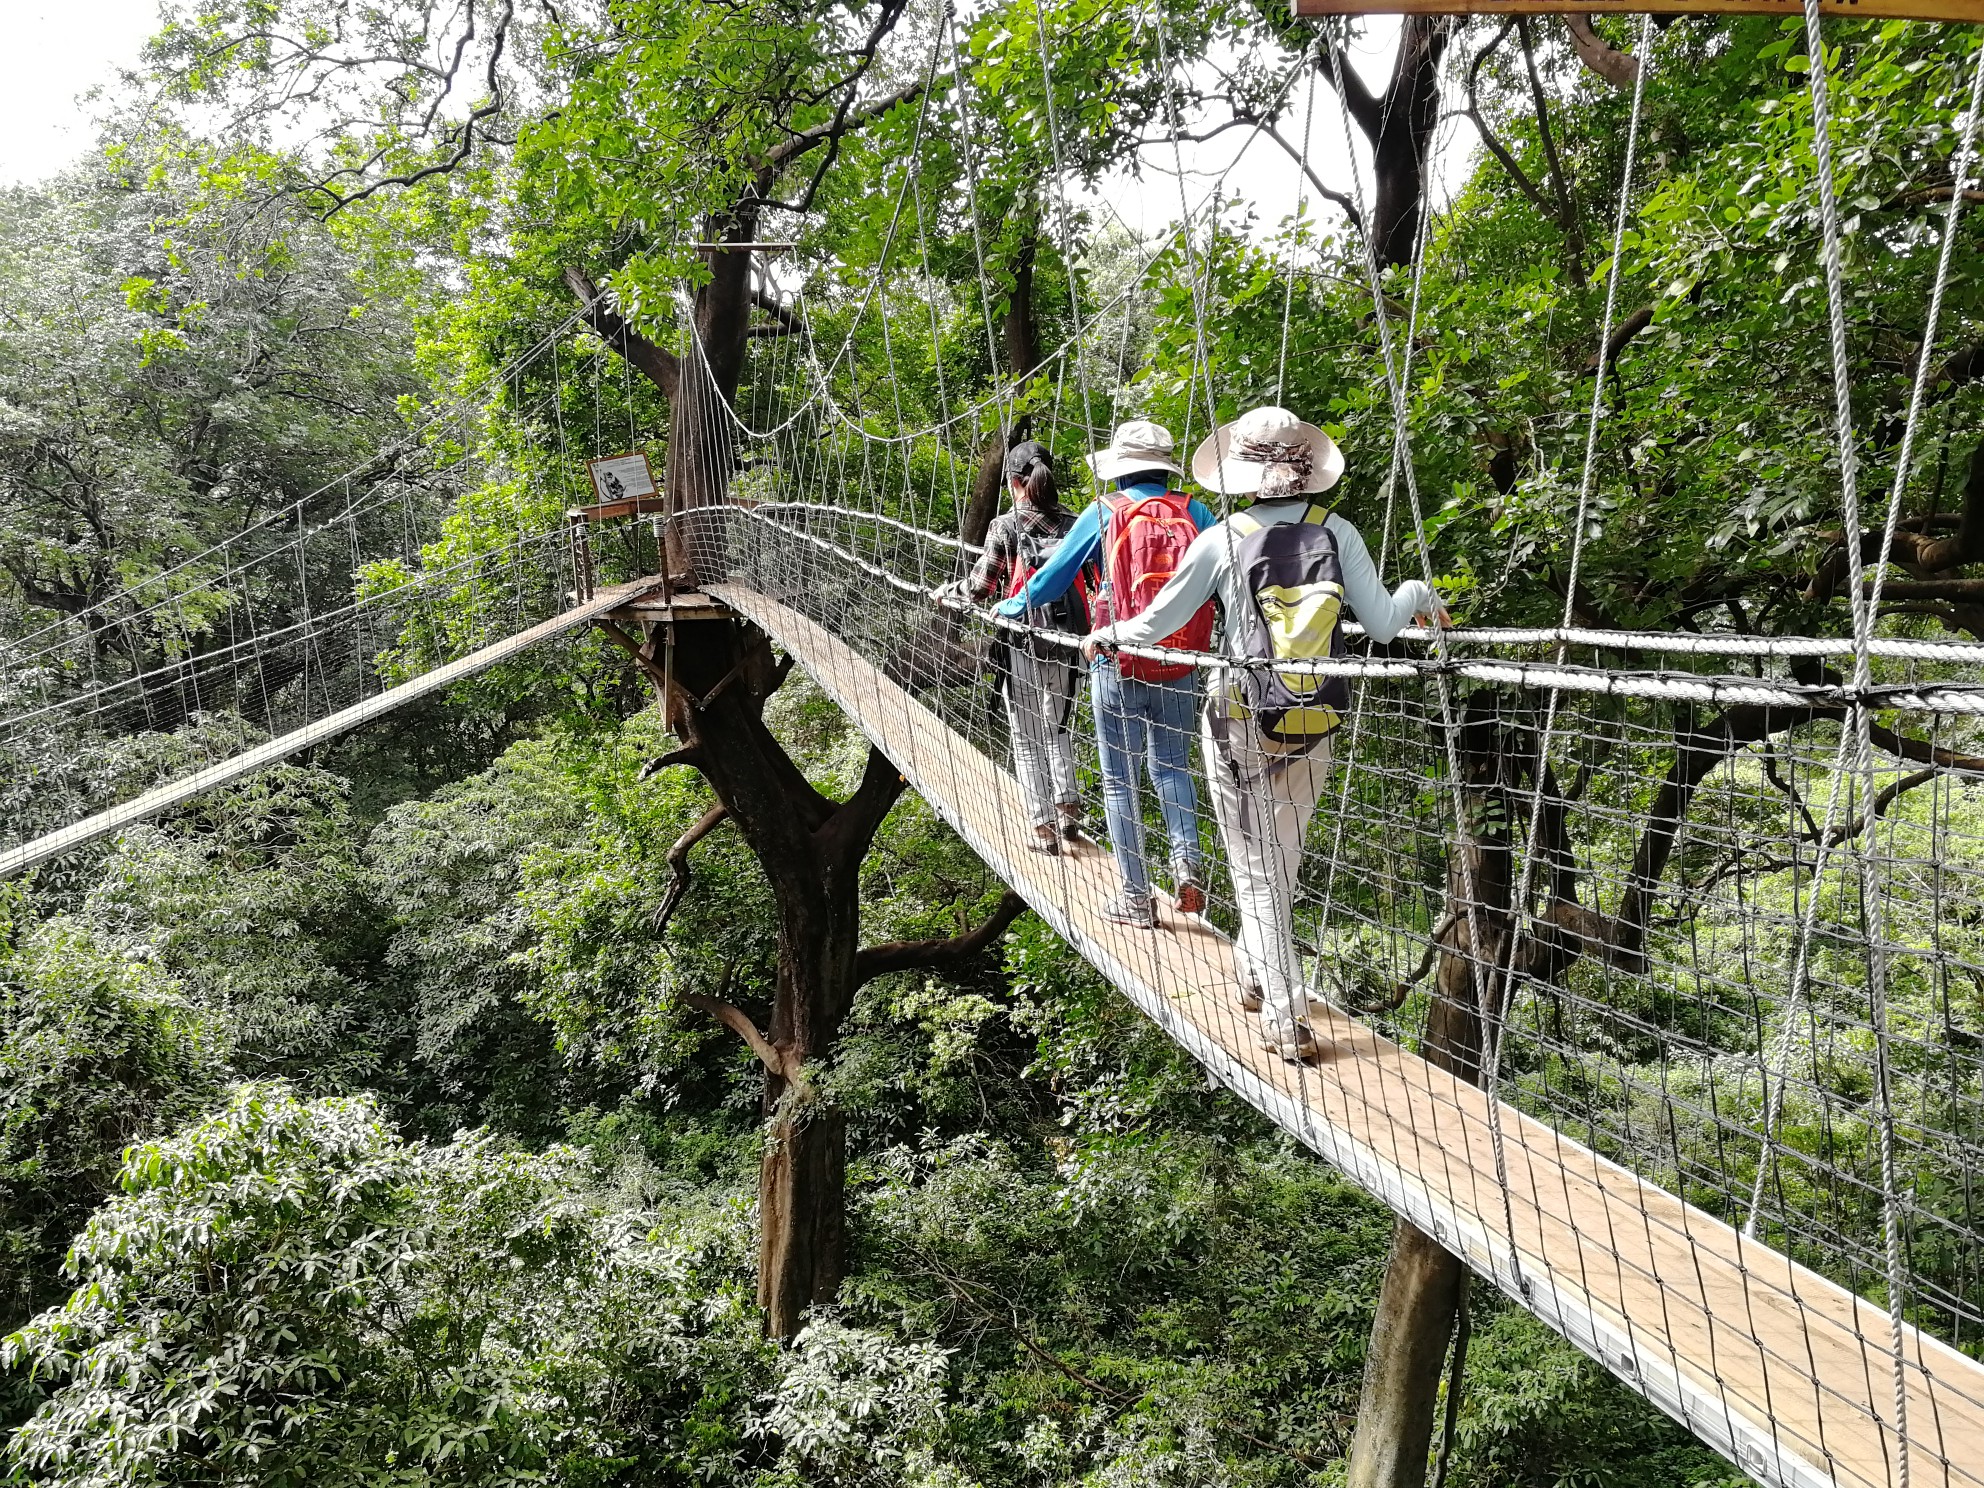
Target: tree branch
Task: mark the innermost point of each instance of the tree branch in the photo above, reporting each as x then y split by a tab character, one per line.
668	761
1915	751
1364	105
846	120
465	131
738	1022
1567	211
851	826
785	322
936	955
678	862
1622	336
660	366
1916	196
1343	203
1620	69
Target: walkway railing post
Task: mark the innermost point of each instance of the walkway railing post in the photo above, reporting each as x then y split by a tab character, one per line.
578	535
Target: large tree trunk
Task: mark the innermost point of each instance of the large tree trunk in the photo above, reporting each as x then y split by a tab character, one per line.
811	850
1417	1306
1423	1287
1411	110
802	1206
1398	125
702	452
1021	336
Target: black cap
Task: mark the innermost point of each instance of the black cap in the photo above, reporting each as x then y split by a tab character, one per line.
1022	457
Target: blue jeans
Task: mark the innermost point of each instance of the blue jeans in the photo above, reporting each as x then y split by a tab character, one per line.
1153	719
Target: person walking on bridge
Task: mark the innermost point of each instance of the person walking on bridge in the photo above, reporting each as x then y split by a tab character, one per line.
1139	531
1280	571
1037	675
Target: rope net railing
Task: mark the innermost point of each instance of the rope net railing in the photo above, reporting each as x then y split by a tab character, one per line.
1691	925
414	559
1684	991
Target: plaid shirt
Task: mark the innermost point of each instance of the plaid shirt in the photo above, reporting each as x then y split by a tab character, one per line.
998	569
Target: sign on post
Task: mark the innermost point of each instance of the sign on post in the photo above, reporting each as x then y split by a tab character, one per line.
621	477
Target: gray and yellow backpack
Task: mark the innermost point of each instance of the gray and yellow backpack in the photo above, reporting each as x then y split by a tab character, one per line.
1293	581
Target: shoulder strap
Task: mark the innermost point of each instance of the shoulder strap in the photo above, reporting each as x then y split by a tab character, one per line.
1245	522
1316	514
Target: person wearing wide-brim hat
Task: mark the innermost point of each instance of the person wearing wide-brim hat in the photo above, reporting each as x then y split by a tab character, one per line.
1134	717
1265	788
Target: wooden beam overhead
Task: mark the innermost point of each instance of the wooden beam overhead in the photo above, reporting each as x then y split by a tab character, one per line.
1873	10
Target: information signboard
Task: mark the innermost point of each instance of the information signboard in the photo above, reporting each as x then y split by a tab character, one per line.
622	477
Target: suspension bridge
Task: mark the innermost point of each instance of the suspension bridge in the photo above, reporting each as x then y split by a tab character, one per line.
1725	1135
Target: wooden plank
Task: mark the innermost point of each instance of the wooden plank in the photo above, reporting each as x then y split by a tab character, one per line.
177	792
1911	10
633	506
683	605
1782	1370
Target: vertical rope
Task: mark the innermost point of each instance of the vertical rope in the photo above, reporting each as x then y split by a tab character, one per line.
1450	728
1866	855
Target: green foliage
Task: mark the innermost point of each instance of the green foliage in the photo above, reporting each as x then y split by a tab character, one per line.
98	1048
290	1293
1536	1413
171	370
255	899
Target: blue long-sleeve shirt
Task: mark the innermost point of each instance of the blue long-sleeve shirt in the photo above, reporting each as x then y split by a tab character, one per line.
1208	572
1083	546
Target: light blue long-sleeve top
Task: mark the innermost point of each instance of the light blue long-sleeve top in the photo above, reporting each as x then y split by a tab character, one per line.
1208	572
1082	546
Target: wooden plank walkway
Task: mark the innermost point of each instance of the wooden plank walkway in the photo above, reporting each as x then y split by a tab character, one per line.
177	792
1785	1372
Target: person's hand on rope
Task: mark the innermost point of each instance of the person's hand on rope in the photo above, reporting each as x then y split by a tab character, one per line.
1436	615
1095	646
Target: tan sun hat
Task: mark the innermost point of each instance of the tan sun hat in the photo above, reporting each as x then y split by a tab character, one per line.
1240	456
1137	445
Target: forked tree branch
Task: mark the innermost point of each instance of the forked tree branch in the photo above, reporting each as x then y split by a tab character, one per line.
678	862
937	955
465	133
656	363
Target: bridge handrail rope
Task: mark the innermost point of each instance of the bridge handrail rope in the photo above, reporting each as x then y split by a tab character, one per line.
422	581
293	511
1693	643
1608	682
1689	1048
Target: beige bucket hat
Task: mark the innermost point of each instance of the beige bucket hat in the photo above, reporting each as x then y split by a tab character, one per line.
1137	445
1270	451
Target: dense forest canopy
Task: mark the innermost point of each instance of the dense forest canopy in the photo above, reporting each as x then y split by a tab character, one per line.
368	1122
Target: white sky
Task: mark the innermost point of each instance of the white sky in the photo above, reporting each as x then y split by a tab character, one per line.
1261	171
55	51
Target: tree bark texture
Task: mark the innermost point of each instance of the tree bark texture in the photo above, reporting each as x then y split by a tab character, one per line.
1399	125
811	849
702	451
1020	342
1420	1298
802	1209
1417	1306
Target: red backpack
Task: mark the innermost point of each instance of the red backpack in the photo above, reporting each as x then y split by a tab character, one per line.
1145	542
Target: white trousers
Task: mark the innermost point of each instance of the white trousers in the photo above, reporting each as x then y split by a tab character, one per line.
1263	817
1040	696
